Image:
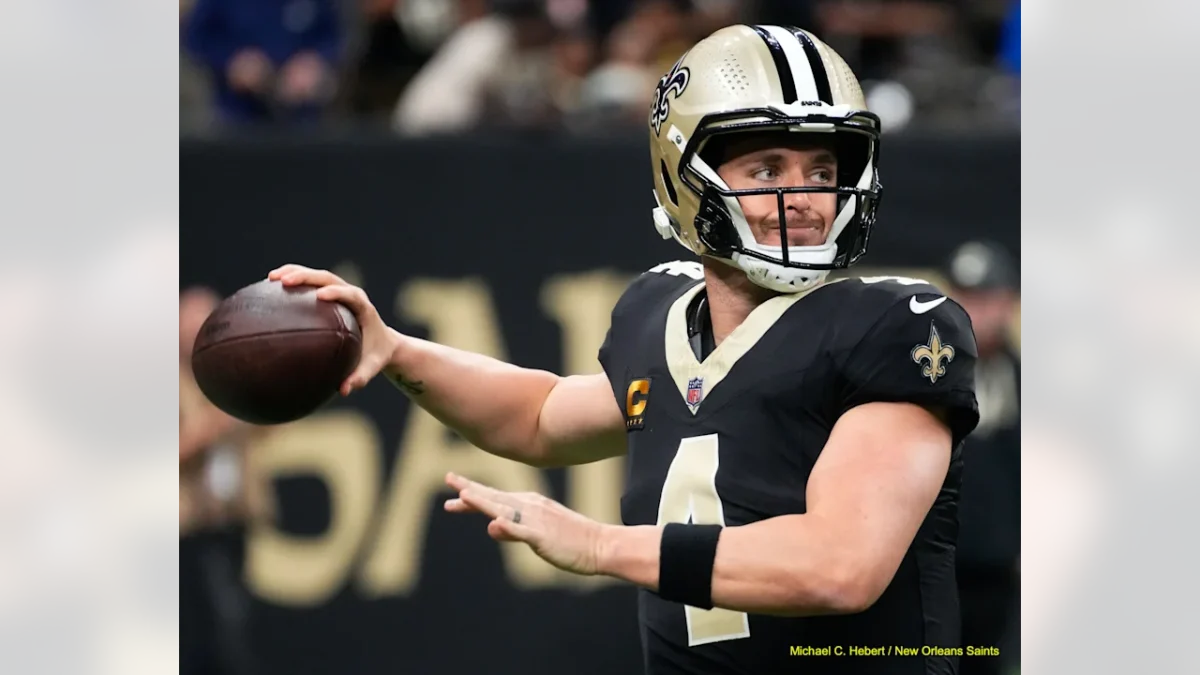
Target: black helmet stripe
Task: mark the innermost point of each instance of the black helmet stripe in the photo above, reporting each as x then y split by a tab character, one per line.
786	80
815	64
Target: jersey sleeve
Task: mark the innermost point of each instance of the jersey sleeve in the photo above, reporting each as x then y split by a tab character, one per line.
925	358
636	303
616	326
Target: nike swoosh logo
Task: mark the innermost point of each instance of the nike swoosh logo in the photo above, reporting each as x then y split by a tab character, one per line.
919	307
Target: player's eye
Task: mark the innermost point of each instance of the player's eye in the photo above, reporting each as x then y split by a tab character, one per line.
822	176
765	173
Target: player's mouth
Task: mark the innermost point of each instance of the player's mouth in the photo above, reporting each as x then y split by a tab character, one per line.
801	234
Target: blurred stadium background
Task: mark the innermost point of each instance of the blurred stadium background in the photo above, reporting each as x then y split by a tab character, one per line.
479	167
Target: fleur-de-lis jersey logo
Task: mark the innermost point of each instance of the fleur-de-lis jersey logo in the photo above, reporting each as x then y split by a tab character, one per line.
675	81
933	354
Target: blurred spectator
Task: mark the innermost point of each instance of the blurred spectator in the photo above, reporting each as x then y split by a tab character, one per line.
574	57
934	59
446	66
638	51
984	280
669	25
522	93
878	34
548	57
621	88
448	93
396	38
271	60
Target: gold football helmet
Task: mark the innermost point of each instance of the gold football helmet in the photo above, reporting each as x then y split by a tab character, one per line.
745	79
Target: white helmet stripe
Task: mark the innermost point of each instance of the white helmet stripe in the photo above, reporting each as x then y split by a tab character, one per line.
806	85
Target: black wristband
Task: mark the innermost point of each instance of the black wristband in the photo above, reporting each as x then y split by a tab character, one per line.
685	563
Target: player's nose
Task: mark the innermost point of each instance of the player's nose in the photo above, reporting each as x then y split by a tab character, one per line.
796	201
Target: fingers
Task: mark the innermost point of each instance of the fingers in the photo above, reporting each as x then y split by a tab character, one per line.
461	483
493	502
352	296
456	481
459	506
506	530
279	272
299	275
490	505
500	506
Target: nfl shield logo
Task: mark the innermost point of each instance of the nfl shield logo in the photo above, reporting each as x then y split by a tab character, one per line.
695	391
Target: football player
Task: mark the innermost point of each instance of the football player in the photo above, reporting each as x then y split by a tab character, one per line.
792	442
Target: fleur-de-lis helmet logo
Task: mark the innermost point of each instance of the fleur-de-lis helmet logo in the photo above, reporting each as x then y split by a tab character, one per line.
675	81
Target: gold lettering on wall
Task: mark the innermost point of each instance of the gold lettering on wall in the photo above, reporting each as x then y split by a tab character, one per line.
459	314
582	305
341	449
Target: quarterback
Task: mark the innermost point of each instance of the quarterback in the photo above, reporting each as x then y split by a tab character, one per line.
793	442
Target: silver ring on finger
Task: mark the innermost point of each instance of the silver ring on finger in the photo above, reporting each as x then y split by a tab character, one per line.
516	518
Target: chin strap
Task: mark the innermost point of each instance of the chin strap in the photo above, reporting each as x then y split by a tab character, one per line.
662	223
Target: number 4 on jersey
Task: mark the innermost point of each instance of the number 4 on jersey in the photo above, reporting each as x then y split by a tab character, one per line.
690	494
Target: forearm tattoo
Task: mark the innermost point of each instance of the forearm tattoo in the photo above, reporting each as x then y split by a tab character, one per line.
411	387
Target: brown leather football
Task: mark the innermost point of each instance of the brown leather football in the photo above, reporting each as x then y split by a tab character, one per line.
269	354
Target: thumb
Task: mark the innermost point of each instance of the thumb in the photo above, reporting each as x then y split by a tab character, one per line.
356	381
366	371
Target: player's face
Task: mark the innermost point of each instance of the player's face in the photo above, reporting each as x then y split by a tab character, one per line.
775	161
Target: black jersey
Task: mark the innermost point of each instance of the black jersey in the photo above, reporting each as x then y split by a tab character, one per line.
732	440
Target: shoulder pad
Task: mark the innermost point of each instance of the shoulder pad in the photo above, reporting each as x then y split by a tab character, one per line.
661	283
688	268
859	303
895	286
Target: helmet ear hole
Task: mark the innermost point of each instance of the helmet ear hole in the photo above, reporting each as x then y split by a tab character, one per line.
853	151
666	179
714	224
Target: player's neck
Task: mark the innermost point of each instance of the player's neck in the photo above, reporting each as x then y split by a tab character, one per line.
731	297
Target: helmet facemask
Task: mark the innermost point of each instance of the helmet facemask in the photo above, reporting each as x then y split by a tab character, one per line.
721	225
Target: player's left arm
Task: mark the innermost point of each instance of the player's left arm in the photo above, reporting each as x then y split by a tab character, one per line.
867	496
906	396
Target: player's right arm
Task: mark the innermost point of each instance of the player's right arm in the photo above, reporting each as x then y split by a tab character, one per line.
531	416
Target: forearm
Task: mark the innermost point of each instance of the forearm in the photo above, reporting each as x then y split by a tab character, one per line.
492	404
785	566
